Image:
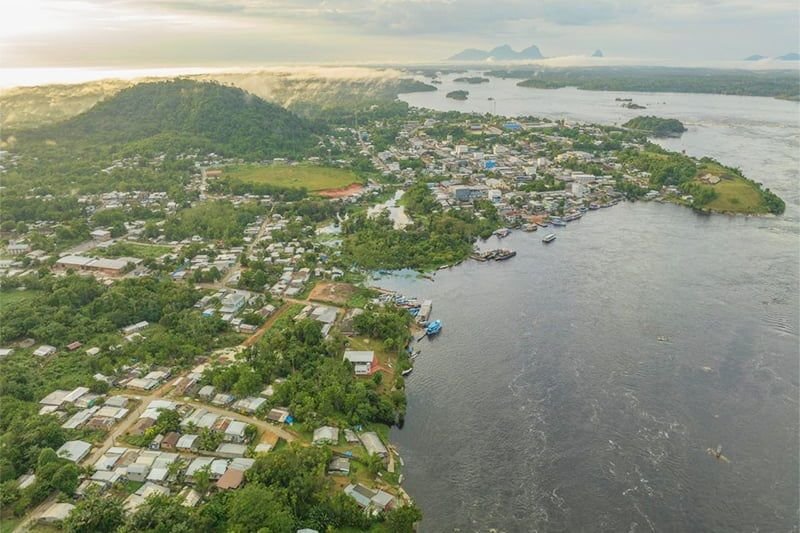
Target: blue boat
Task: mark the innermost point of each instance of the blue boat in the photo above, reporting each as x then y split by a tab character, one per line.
434	327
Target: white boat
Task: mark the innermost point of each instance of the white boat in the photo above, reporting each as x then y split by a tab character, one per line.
550	237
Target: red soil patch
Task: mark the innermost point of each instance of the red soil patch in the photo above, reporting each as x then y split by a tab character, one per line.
342	192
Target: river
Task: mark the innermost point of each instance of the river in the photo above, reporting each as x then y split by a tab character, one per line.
548	402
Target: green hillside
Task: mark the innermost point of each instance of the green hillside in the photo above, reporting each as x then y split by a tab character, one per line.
184	114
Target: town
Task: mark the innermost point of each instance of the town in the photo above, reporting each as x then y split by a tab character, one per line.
267	298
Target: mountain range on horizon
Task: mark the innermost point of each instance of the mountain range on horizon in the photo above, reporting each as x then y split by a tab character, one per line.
791	56
499	53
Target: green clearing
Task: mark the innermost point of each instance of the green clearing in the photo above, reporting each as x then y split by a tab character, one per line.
735	193
10	297
312	177
132	249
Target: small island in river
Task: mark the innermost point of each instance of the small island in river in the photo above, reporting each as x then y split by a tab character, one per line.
657	126
458	95
474	80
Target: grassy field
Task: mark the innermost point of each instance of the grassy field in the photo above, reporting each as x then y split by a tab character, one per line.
9	297
132	249
737	196
312	177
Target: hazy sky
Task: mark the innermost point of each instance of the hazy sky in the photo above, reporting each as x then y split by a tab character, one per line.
145	33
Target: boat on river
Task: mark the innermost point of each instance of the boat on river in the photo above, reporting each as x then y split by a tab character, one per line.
557	222
433	328
550	237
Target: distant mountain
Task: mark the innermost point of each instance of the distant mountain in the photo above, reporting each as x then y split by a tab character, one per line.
755	57
499	53
792	56
186	114
598	53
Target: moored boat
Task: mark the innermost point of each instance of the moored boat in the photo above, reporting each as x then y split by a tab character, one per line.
434	327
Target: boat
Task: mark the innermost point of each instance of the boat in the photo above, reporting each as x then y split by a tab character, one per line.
550	237
594	207
530	227
504	254
542	224
434	327
557	222
407	371
573	216
502	232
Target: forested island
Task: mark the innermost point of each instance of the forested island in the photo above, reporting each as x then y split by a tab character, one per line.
656	126
473	80
458	95
778	84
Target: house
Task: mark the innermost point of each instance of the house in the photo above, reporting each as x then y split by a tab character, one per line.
231	479
372	442
189	497
170	441
138	472
74	450
5	352
339	465
235	432
155	444
134	328
363	362
250	404
74	346
101	235
116	401
326	435
56	513
218	468
223	399
350	436
229	449
372	501
278	415
158	474
196	465
45	350
206	393
187	443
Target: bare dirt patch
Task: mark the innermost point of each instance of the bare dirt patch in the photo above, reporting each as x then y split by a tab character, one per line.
342	192
330	292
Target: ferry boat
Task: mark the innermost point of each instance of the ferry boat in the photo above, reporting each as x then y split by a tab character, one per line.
530	227
503	254
557	222
573	216
434	327
550	237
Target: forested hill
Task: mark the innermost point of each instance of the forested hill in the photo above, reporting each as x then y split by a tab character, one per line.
185	114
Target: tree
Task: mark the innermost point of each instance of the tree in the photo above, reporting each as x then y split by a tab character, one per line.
402	519
259	508
159	514
95	514
202	479
66	478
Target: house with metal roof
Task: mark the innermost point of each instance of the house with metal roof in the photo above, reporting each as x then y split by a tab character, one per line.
363	361
74	450
326	435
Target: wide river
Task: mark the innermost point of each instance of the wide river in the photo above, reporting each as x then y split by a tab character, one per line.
548	402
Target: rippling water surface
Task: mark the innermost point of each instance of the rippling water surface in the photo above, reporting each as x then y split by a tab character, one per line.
549	404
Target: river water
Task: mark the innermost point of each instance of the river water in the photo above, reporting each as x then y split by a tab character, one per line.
548	402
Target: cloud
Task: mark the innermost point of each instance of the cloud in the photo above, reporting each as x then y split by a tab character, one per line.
253	31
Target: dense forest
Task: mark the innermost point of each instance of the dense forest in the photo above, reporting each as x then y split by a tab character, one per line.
183	113
779	84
